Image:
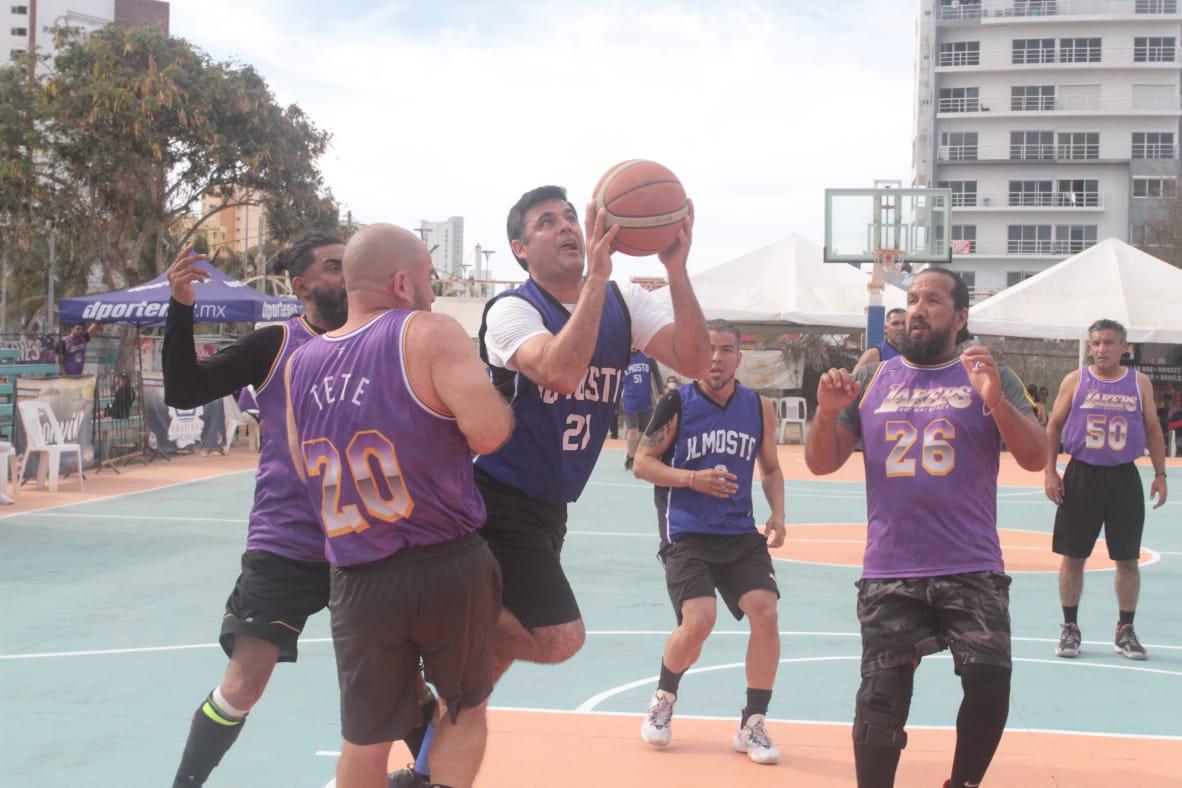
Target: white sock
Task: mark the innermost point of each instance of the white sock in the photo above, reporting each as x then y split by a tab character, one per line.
225	705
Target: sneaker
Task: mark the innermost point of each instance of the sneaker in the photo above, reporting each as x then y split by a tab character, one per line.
1127	643
1069	640
628	463
407	778
657	728
752	739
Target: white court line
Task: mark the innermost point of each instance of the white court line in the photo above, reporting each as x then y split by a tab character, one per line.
590	633
138	517
124	494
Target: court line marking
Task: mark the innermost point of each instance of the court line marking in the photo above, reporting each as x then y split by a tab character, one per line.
126	494
40	513
600	697
590	633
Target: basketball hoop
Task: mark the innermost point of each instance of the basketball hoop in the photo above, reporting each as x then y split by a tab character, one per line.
890	266
890	259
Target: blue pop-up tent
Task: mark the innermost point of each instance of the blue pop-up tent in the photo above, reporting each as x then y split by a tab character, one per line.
220	299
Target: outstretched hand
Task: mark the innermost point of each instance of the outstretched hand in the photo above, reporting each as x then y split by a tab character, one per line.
674	258
182	275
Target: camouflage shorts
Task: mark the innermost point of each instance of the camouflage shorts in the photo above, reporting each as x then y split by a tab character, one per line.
908	618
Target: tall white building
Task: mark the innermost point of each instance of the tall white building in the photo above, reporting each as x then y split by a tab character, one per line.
31	22
1054	122
446	240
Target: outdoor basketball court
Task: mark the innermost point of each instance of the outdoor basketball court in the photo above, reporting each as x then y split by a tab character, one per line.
112	607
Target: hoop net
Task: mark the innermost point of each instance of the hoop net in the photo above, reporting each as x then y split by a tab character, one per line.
890	259
889	267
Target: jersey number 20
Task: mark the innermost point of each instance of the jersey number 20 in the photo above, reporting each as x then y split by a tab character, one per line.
377	478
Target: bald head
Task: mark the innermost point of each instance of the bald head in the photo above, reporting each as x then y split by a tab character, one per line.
376	253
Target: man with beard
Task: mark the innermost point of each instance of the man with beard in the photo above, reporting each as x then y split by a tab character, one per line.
700	450
931	424
284	577
893	330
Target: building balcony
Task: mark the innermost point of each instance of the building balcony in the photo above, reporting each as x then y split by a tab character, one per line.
1077	59
1058	105
1032	248
1044	154
1035	10
1024	201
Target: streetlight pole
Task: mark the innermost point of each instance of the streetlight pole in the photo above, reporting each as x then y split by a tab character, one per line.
49	324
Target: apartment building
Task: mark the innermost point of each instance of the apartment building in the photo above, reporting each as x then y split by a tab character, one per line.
30	23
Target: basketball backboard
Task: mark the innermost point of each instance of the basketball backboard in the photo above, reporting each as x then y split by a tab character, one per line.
917	222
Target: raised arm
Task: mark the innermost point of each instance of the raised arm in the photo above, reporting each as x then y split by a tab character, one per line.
1154	440
293	437
830	444
685	344
1019	428
771	477
1053	483
448	377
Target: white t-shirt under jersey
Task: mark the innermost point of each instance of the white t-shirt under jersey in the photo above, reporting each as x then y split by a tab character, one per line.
511	321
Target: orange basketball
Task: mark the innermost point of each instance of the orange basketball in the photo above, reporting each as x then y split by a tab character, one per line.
647	201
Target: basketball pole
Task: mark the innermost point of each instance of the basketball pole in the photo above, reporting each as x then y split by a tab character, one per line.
875	311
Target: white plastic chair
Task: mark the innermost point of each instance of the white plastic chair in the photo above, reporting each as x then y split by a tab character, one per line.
237	419
792	410
35	415
8	469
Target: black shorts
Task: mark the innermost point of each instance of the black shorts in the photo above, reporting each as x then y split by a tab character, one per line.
697	564
638	421
1094	495
908	618
526	536
272	601
438	605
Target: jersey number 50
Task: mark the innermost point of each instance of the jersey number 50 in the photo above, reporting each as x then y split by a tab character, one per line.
938	455
377	478
1115	433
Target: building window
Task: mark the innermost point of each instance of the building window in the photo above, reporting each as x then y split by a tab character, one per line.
1035	7
1076	193
960	53
1156	6
964	238
1014	277
1030	194
959	100
1033	50
969	278
964	193
1028	239
1026	145
959	145
1029	98
23	32
1155	187
1079	145
22	10
1144	235
1079	50
1073	238
1153	49
1153	145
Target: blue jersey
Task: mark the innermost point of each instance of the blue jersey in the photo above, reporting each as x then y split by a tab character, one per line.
557	437
886	350
638	384
710	435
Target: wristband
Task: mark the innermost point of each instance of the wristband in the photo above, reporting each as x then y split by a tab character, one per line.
1161	475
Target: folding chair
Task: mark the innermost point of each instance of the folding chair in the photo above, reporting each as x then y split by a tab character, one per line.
35	416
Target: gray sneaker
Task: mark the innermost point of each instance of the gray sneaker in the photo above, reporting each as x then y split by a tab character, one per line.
1127	643
1069	640
657	728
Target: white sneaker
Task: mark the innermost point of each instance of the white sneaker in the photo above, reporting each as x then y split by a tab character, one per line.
752	739
5	500
657	728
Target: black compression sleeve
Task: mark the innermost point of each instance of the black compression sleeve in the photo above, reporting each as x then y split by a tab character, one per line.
667	408
189	382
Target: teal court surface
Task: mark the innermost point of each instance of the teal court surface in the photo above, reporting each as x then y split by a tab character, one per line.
112	607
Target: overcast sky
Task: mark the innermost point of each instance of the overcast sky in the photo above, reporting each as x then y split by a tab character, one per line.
441	109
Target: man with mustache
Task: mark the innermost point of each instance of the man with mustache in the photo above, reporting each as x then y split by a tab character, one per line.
931	422
893	330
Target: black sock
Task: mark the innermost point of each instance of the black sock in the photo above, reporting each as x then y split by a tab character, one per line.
211	734
1126	616
757	703
669	681
1070	614
981	720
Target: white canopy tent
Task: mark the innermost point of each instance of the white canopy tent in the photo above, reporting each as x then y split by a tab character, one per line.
1109	280
787	282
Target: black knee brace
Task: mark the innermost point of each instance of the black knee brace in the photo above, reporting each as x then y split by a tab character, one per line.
884	699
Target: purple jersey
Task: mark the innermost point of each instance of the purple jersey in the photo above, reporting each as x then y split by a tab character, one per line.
1105	425
282	520
931	456
384	471
74	354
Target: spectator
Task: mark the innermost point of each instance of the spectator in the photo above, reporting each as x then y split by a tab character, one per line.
1040	410
122	397
71	349
671	384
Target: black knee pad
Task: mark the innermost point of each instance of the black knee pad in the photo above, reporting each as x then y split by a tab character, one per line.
884	700
985	678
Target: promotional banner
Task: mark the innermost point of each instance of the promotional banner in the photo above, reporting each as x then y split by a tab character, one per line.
172	429
71	401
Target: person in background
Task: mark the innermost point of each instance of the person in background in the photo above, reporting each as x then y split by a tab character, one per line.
71	349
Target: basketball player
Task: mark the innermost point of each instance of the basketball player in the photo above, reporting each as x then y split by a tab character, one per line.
1101	413
637	400
385	414
931	422
700	452
893	330
284	576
